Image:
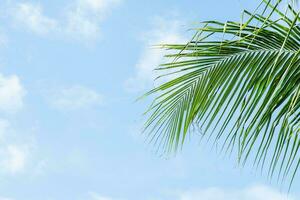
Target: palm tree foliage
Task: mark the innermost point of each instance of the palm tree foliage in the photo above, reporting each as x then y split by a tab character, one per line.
238	83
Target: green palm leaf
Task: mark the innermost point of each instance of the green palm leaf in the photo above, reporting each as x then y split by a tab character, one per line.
242	90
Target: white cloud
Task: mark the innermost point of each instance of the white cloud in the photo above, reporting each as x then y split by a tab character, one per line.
11	93
95	196
4	125
15	158
256	192
84	18
81	20
75	97
31	16
5	198
164	31
14	154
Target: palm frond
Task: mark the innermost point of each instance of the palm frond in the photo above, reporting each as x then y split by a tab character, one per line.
240	84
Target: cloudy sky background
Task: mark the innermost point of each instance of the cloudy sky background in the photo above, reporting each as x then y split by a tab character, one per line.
70	72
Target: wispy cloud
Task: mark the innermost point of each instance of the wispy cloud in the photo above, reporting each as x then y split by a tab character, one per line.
4	125
80	20
11	93
5	198
85	16
75	97
95	196
14	154
31	16
15	158
256	192
163	31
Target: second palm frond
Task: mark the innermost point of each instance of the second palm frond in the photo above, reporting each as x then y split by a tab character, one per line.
240	84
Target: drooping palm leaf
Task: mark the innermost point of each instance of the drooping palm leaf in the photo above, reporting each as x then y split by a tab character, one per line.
240	84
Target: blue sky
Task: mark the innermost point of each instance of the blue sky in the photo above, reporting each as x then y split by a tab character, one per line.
69	123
